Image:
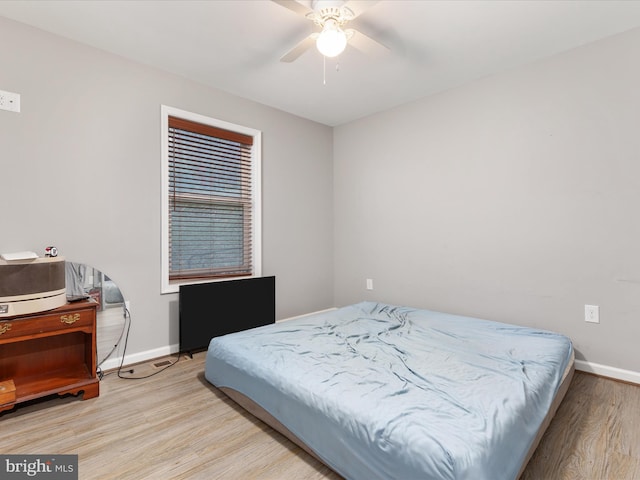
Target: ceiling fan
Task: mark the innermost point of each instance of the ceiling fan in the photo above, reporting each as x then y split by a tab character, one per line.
331	38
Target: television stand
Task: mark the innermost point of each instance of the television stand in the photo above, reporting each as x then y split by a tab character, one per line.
48	353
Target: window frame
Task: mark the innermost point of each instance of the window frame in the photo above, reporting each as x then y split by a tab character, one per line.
173	286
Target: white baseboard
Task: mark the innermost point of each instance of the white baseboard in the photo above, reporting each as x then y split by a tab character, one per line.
306	315
606	371
111	363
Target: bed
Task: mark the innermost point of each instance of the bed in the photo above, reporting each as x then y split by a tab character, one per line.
382	391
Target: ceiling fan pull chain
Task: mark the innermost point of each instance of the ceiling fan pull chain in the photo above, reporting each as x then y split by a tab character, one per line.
324	70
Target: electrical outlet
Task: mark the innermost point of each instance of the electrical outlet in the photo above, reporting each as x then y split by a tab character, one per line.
592	313
10	101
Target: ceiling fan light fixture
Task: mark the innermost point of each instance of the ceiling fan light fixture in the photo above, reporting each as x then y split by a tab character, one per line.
332	41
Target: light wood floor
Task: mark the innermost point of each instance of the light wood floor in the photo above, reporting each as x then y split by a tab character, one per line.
176	426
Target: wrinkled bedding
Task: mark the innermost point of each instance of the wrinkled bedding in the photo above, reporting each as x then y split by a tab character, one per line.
382	391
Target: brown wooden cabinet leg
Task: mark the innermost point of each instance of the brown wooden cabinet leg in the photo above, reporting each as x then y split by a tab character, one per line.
91	391
7	406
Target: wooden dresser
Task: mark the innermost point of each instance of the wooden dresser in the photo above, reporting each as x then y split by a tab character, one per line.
45	353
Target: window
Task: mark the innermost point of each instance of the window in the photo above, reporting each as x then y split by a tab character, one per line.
210	199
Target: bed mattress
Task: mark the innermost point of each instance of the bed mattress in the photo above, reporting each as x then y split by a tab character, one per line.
383	391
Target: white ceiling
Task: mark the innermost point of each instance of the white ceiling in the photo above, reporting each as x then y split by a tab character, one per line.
235	45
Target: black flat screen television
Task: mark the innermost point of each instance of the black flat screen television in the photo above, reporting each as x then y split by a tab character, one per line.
213	309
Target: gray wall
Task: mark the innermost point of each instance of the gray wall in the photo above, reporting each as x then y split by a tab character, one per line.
80	169
513	198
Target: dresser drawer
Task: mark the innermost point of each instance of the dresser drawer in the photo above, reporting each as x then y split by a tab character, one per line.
46	323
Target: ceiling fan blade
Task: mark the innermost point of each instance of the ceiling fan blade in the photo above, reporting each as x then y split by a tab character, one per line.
359	6
366	44
293	6
299	49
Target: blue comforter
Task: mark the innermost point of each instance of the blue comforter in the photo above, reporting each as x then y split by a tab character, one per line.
380	391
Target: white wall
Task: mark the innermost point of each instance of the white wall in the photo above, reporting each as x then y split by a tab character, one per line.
80	169
513	198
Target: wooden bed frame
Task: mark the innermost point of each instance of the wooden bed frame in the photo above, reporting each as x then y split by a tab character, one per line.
260	413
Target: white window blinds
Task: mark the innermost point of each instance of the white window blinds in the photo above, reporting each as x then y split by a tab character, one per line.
210	201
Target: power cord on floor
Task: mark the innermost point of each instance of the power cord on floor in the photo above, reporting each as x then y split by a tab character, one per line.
120	370
126	340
